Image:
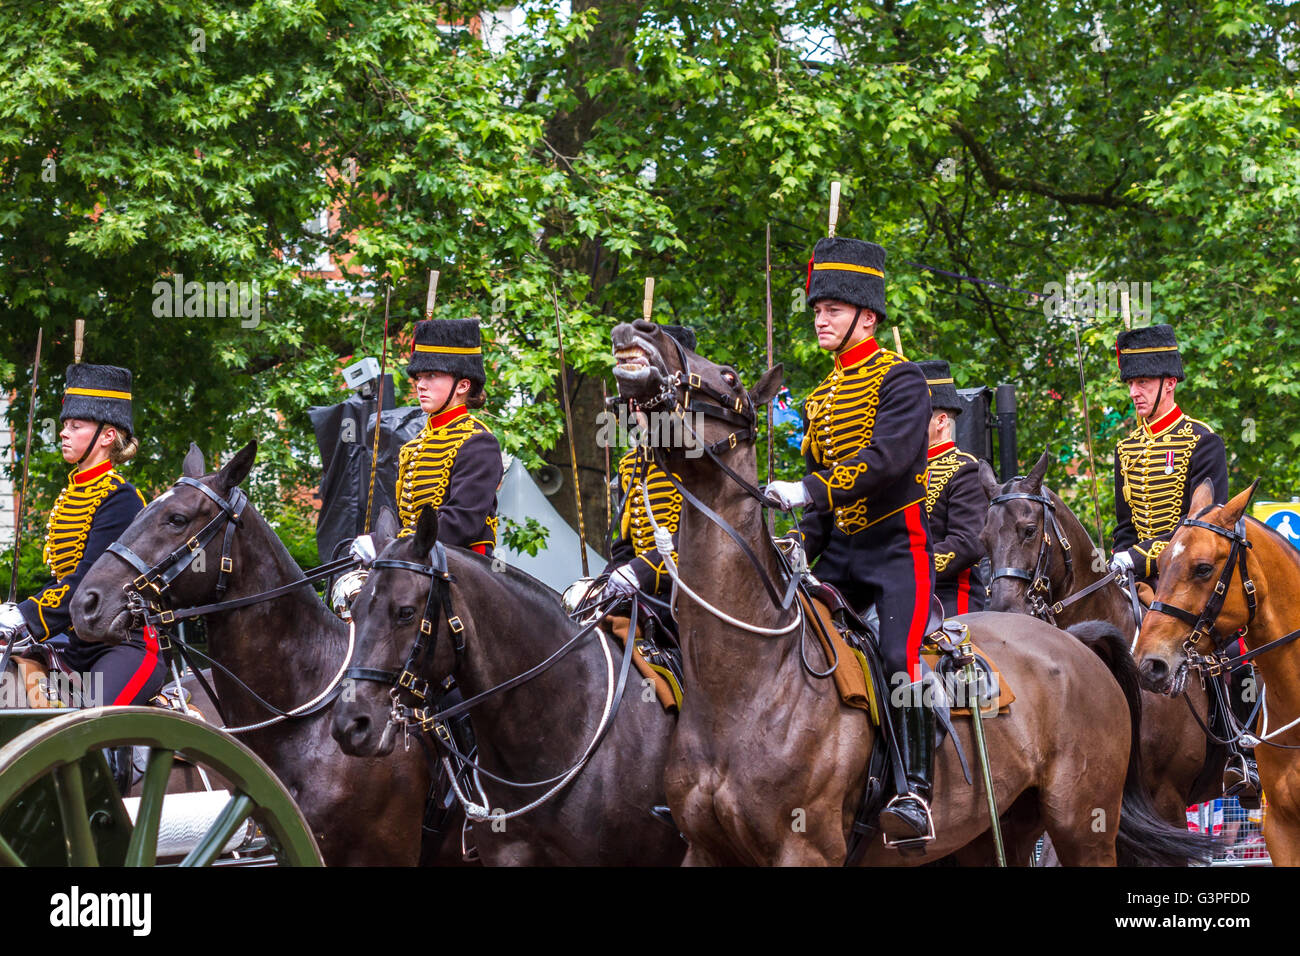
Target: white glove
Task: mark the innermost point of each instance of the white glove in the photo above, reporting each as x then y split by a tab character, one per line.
363	548
10	617
789	494
623	581
1122	561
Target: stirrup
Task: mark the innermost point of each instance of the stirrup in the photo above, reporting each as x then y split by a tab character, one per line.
909	842
1244	783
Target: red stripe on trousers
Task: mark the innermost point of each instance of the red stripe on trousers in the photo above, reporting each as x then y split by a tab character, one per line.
143	671
963	592
921	575
480	548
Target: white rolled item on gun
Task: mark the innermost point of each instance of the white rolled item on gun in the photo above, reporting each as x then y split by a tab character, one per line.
186	817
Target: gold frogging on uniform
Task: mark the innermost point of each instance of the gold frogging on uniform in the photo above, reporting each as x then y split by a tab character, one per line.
665	503
1153	487
69	521
424	470
841	418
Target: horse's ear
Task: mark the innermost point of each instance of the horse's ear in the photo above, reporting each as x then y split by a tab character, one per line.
1035	476
237	469
768	385
386	528
1202	498
989	480
426	530
1235	508
193	464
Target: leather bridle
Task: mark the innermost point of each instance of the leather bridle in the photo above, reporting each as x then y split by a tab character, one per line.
1203	624
735	411
1039	592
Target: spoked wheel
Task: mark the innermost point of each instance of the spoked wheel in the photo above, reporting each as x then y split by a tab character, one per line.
56	792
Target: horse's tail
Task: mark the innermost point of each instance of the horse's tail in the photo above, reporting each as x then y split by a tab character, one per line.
1145	838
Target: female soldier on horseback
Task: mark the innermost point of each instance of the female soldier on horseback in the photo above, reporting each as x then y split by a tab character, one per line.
94	508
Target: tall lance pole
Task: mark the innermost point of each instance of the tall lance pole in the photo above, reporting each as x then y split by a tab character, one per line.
568	424
379	408
27	455
771	449
835	208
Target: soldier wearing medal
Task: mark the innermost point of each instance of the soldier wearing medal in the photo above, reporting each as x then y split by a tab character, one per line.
864	496
955	502
1157	468
92	510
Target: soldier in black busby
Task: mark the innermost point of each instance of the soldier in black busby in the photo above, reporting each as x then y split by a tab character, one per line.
1158	466
864	496
954	500
92	510
454	464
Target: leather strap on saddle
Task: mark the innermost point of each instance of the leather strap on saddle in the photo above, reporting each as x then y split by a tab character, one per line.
667	688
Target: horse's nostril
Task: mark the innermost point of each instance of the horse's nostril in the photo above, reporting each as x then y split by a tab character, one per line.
1154	668
641	325
89	602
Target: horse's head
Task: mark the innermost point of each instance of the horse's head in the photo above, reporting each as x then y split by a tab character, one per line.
166	532
688	401
1017	530
387	616
1190	569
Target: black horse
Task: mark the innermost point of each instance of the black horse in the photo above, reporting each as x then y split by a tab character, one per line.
533	731
287	650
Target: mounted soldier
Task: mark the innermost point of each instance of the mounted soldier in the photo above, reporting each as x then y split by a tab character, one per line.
954	500
454	464
1158	466
94	508
864	495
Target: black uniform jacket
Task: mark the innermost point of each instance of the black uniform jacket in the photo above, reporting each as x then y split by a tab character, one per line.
90	513
957	506
864	445
454	464
1157	467
631	534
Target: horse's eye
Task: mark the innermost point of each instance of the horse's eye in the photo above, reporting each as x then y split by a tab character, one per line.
177	520
730	379
1204	570
1030	531
405	615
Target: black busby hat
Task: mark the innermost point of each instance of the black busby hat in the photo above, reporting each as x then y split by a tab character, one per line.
684	335
453	346
850	270
98	393
943	393
1150	352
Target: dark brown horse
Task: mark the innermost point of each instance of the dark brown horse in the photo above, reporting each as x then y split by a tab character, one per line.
1198	559
533	731
1180	766
767	764
286	650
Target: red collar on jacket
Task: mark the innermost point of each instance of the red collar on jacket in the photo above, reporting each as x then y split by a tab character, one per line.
90	474
449	416
935	451
1165	422
858	353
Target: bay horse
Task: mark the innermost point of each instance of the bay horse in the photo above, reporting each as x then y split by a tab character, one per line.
1256	574
509	623
286	650
767	765
1033	573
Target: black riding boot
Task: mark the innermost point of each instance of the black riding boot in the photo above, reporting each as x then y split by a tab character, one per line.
1240	775
907	818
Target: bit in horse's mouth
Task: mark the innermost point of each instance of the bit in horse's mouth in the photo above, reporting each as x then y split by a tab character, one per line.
638	368
1178	682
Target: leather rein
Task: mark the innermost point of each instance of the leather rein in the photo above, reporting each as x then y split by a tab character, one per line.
1039	592
149	612
422	711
